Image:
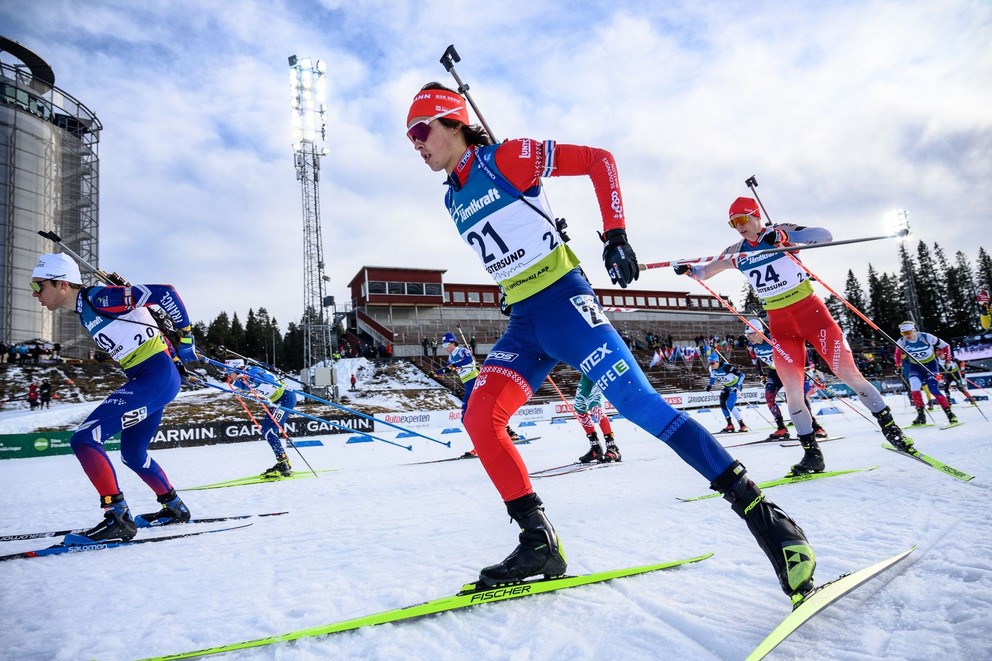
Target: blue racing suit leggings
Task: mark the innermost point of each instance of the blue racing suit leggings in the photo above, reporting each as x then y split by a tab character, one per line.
135	411
272	424
728	400
565	323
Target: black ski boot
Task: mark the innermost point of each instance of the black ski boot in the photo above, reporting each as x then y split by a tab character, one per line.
612	451
117	523
951	418
812	461
173	510
891	430
595	450
781	538
281	469
921	417
539	551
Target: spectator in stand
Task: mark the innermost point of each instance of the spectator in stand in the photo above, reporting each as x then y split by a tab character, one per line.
33	396
475	345
45	392
353	381
425	343
434	346
56	352
3	352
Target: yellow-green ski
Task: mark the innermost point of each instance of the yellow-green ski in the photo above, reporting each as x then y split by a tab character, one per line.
468	596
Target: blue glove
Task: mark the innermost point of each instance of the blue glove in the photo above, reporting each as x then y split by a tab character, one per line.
619	258
187	348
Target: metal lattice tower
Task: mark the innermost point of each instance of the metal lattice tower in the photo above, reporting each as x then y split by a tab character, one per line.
306	79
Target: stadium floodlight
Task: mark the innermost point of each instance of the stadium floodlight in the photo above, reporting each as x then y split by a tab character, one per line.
897	220
307	88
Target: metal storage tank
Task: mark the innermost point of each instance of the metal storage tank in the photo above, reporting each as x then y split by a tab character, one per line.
49	181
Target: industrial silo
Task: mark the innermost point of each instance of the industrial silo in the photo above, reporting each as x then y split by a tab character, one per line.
49	181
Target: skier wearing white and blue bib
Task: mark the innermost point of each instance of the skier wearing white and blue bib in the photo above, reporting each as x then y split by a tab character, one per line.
118	321
277	399
462	363
731	382
922	366
495	201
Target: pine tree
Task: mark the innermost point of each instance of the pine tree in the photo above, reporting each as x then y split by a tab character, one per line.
856	327
983	271
219	331
928	280
237	335
961	294
292	347
274	339
907	284
889	307
254	336
750	303
944	268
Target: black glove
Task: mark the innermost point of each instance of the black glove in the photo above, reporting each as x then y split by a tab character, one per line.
770	239
709	388
619	258
682	269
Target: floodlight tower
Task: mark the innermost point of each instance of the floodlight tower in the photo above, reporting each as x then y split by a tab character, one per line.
306	81
898	219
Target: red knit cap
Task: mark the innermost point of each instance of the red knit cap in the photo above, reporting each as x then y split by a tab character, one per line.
428	103
745	206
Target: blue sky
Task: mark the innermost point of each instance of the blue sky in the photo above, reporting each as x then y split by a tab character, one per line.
843	110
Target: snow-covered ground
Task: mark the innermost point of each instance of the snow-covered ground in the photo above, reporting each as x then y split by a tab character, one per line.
378	533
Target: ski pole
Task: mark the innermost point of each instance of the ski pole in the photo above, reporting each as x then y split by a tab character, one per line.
307	415
448	60
282	431
752	183
104	277
770	251
302	393
265	366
